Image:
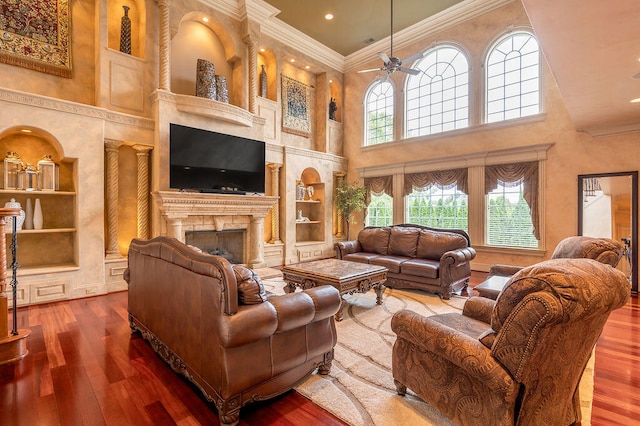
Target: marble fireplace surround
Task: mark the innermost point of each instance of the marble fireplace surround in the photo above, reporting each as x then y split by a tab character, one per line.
193	211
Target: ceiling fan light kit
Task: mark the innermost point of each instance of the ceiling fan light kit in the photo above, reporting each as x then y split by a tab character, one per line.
392	64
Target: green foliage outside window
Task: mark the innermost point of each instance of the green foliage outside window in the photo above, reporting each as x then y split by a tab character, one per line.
380	127
510	223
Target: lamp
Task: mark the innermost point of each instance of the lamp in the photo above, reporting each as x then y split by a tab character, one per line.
29	178
48	171
12	167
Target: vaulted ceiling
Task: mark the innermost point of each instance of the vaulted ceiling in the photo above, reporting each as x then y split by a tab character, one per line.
591	46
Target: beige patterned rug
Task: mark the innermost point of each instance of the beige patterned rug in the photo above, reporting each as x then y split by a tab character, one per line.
360	389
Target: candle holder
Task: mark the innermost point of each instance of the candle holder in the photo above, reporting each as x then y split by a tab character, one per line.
12	167
48	174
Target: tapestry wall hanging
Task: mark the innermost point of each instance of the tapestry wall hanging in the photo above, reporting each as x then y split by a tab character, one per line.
36	34
296	117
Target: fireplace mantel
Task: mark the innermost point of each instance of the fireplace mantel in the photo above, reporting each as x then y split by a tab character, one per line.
227	211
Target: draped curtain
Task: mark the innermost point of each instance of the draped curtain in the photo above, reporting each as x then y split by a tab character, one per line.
445	179
377	186
511	175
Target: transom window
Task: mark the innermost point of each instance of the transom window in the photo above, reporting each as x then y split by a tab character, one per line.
379	113
437	99
380	210
513	78
509	221
438	207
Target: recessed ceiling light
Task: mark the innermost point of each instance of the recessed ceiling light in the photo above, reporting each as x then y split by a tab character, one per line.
330	81
25	131
306	67
328	16
635	101
292	60
262	49
205	19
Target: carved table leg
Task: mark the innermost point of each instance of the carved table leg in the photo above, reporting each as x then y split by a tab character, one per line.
338	316
289	287
379	292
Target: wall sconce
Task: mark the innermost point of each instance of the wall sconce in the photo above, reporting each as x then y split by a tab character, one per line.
12	167
48	171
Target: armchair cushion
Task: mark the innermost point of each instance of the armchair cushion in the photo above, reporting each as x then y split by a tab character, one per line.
250	288
604	250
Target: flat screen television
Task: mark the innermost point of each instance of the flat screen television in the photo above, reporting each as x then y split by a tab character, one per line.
209	161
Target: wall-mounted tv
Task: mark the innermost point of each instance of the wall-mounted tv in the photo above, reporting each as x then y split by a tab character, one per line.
209	161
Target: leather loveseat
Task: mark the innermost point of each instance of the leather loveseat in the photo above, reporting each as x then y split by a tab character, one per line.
213	322
419	257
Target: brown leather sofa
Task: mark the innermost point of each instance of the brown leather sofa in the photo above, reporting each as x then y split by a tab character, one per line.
188	306
419	257
517	360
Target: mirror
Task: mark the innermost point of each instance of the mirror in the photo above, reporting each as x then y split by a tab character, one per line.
608	208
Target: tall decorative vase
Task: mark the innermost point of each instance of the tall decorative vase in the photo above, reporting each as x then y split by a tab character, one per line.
38	220
28	221
125	32
222	92
206	80
263	82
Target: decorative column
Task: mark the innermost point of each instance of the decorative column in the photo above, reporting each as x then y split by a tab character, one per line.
142	200
275	210
250	41
111	147
257	242
174	226
165	46
340	218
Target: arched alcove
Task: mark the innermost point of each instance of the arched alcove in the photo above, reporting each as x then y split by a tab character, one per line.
201	37
138	16
335	92
267	58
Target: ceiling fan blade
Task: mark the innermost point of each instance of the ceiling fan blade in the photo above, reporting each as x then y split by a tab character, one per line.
384	57
372	69
409	70
412	58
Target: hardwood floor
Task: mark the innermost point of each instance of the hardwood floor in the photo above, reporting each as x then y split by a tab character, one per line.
86	368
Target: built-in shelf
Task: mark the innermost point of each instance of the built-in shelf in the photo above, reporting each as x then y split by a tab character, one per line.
34	193
307	222
309	201
45	231
309	242
49	269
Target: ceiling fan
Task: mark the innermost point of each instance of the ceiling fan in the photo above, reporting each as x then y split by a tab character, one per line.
392	64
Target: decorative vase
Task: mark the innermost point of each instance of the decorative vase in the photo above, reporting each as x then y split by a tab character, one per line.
263	82
222	92
38	220
28	220
310	191
125	32
13	204
301	190
206	79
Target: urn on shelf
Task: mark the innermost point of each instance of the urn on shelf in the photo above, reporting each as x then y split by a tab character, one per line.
13	204
12	167
48	171
301	190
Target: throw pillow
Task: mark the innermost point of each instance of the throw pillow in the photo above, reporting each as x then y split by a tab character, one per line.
250	288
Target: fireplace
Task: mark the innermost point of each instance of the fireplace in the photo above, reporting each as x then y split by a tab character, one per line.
227	244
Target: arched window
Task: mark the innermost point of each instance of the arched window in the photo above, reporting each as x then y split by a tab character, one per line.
379	113
513	78
438	98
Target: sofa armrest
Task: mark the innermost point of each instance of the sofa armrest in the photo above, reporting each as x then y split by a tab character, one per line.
462	350
504	270
343	248
280	313
479	308
457	257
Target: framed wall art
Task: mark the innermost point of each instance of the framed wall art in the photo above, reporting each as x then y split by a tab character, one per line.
36	35
296	114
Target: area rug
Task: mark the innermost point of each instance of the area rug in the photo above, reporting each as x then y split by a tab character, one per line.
360	388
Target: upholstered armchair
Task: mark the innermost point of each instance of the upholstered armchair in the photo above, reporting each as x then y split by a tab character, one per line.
517	360
604	250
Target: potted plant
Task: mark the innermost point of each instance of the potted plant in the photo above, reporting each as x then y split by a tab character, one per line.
349	199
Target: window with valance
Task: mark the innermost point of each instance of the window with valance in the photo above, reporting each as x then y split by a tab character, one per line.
379	201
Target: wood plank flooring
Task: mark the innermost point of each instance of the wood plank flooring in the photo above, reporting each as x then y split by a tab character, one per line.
86	368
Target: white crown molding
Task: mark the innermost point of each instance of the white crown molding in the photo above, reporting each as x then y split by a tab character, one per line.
448	18
615	130
259	11
279	30
230	8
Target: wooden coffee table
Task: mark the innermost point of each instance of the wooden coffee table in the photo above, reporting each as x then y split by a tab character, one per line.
348	277
492	286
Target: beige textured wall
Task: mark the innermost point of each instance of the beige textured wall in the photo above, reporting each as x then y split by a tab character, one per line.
573	153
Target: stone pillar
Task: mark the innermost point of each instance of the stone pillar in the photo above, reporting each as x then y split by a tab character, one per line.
251	42
142	199
174	227
275	210
165	46
339	217
111	147
256	251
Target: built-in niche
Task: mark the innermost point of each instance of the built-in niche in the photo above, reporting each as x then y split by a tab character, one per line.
137	15
267	62
335	93
310	207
